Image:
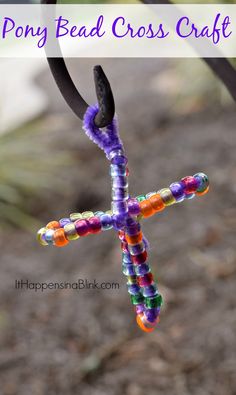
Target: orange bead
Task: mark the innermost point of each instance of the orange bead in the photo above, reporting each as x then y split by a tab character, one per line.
146	208
53	225
136	239
141	324
204	192
157	202
59	238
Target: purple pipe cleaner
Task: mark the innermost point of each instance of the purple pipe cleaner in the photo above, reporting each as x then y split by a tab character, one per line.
107	139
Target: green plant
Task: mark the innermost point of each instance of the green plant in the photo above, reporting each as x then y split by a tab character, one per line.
27	170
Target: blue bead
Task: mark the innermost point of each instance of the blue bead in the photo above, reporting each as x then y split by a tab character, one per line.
137	249
126	258
98	213
150	290
106	221
133	289
142	269
128	270
49	236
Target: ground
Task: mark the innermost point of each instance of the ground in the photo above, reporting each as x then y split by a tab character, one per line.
87	342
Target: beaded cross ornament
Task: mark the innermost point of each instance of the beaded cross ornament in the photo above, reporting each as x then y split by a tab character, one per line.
124	217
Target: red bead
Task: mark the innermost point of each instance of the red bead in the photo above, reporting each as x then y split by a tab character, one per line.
141	258
190	184
94	225
144	281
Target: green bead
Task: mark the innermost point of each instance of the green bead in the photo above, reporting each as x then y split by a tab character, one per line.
137	299
155	301
140	198
75	216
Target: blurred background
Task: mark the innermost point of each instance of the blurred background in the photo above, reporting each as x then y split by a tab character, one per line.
175	119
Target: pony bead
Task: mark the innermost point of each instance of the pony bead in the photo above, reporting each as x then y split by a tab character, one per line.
125	216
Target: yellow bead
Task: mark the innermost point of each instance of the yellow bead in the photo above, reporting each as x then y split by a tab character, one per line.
70	232
167	196
40	237
75	216
87	214
131	279
109	212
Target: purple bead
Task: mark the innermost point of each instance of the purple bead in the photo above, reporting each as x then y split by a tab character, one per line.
64	221
152	314
131	222
118	221
136	249
140	308
119	207
141	269
117	170
119	194
120	182
133	289
177	189
82	227
119	160
133	207
150	290
133	230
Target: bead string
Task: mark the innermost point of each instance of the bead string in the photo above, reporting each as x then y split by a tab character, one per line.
89	222
124	217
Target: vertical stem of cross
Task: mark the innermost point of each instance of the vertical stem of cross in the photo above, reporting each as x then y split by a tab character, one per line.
140	282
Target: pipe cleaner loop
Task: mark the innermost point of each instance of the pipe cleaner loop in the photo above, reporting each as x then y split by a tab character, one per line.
107	139
124	217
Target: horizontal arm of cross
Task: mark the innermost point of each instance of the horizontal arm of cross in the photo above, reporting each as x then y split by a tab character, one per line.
60	232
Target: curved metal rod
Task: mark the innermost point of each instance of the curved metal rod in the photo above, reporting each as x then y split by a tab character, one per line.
71	94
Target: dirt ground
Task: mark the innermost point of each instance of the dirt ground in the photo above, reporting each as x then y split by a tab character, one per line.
86	342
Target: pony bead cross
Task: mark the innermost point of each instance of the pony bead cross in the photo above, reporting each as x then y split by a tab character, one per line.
125	217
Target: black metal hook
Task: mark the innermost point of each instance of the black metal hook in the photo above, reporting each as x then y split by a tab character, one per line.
73	97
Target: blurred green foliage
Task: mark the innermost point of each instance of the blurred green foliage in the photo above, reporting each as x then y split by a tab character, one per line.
28	170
